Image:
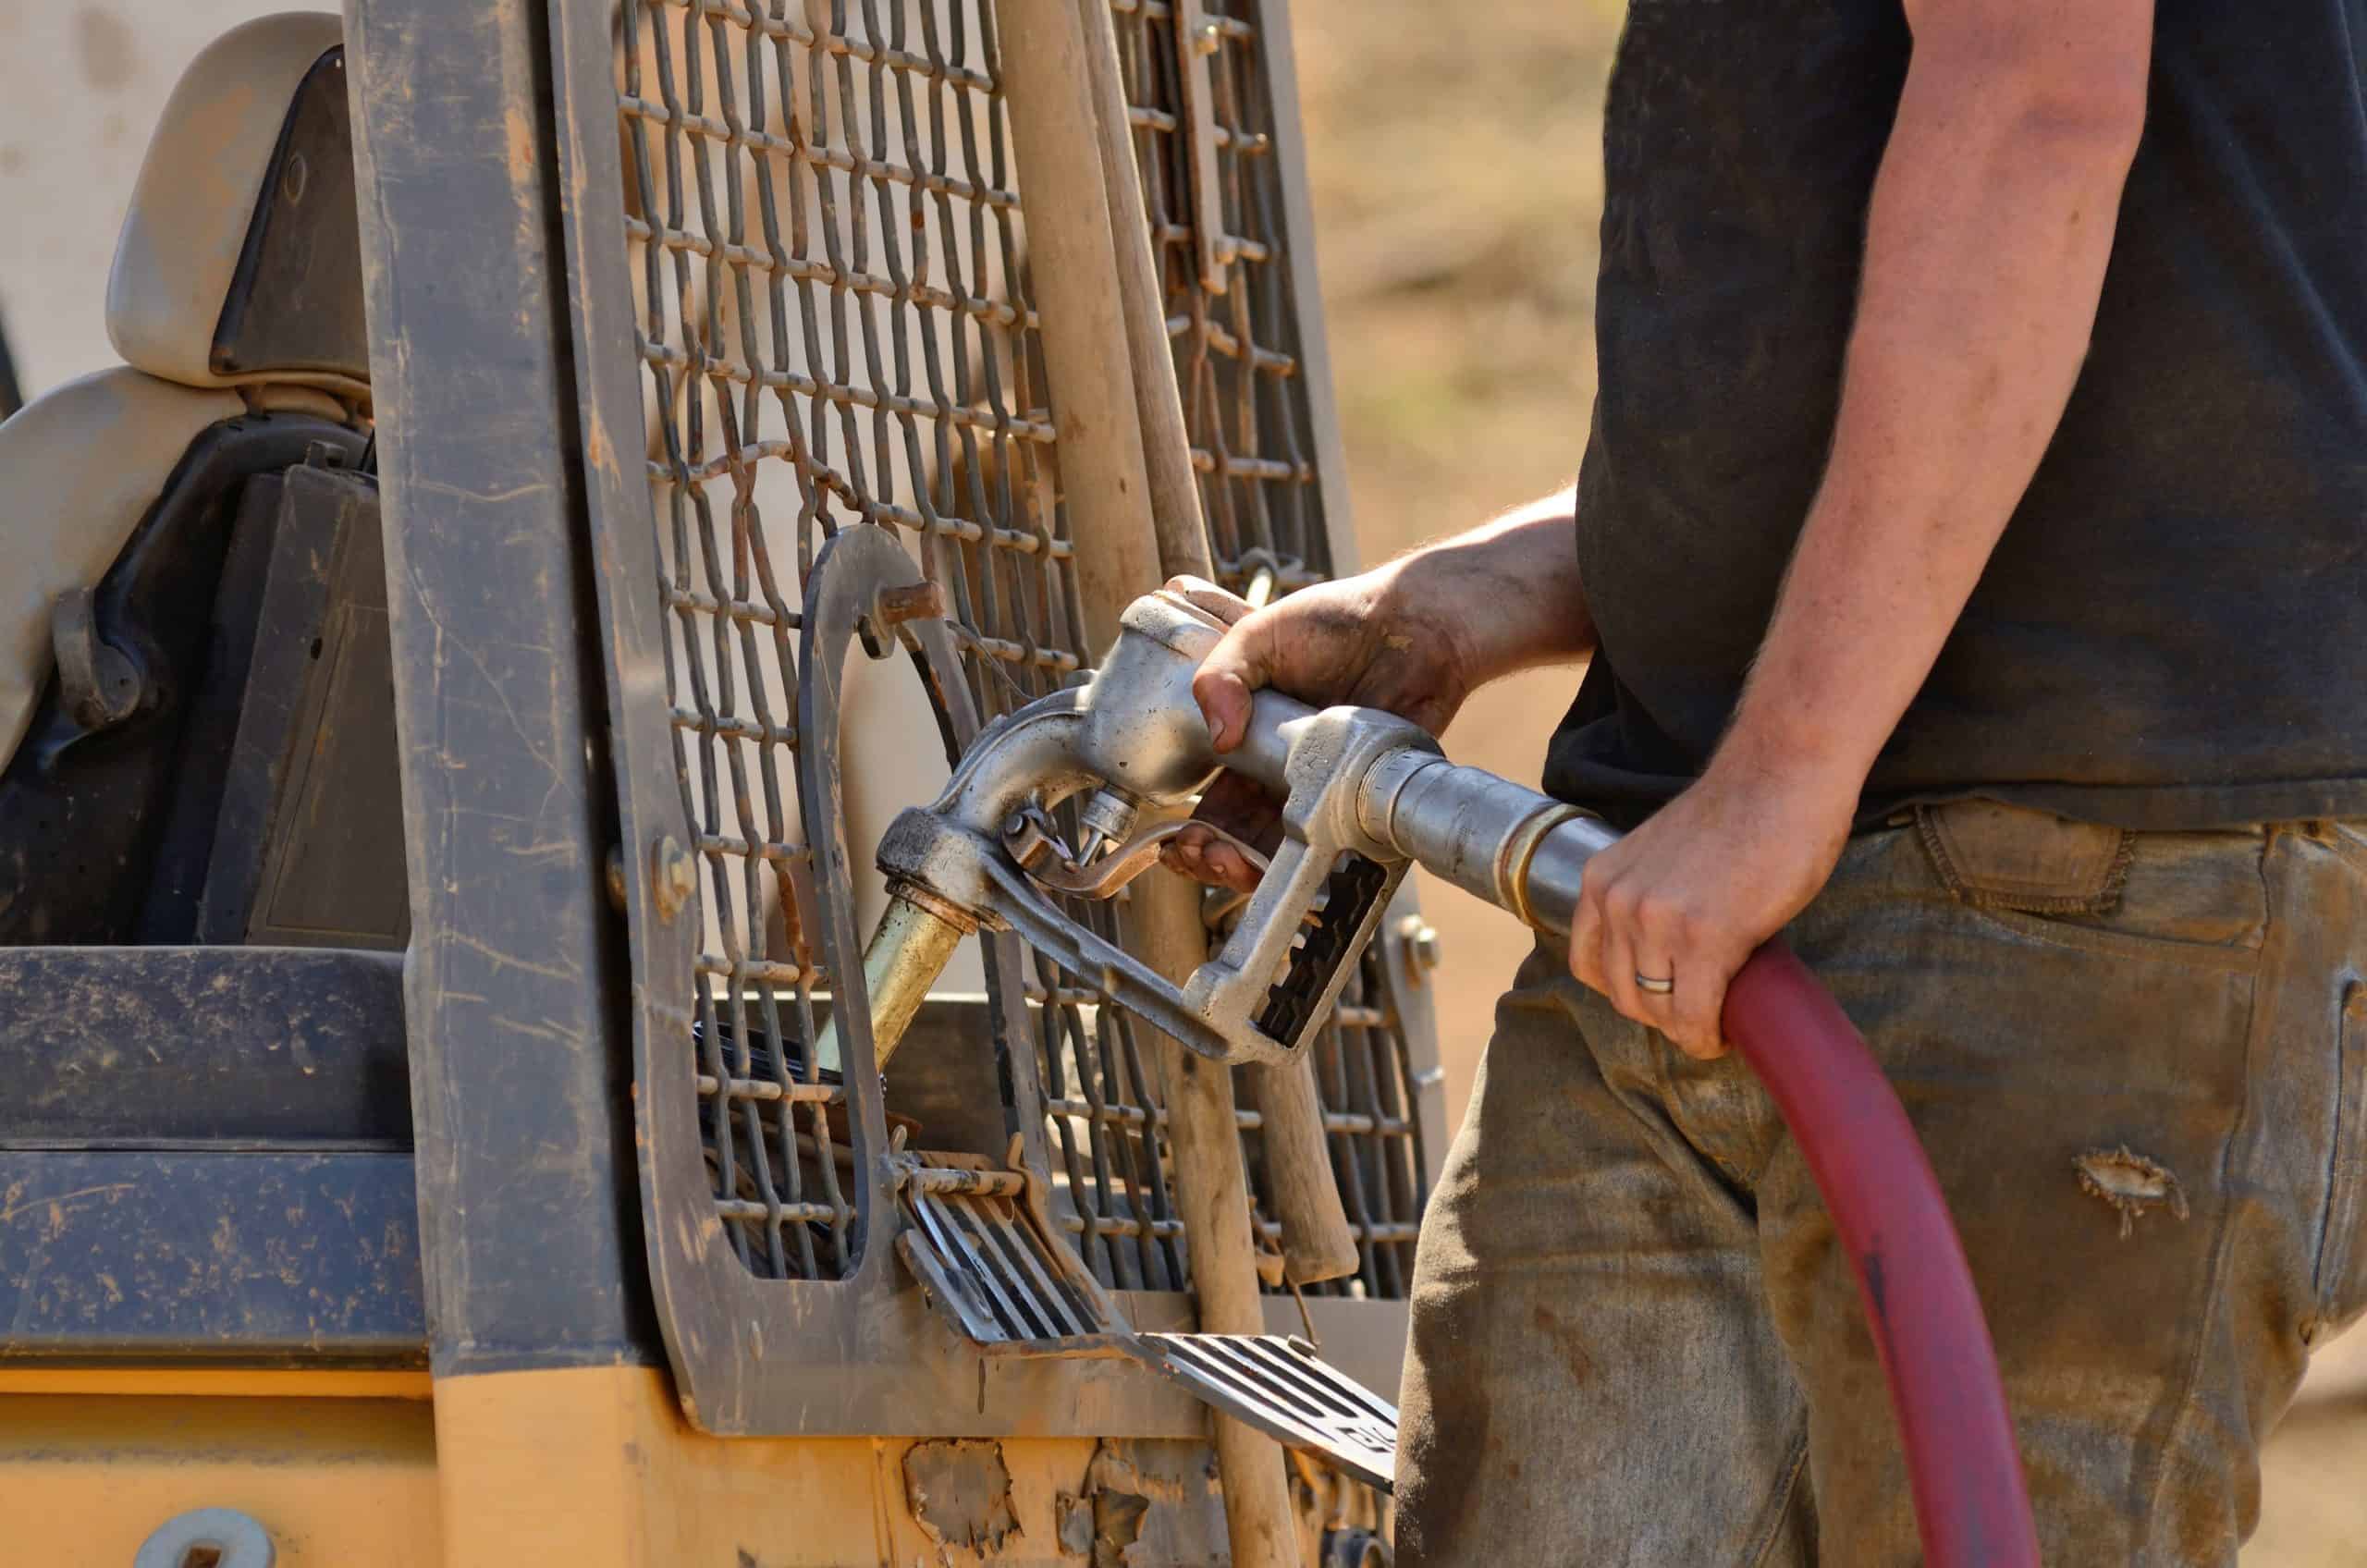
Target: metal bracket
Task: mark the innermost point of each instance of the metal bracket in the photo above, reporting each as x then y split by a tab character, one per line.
96	680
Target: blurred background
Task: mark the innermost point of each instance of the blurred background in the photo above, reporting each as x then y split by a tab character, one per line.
1457	178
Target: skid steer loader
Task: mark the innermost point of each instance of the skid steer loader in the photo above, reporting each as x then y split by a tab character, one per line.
574	475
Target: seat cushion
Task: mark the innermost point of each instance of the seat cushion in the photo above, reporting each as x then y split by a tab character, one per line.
79	468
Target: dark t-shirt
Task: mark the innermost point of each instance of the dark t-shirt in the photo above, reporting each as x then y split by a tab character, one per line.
2173	632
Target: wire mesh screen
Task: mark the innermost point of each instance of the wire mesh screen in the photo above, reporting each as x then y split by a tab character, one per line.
1202	108
828	250
826	236
1230	311
828	255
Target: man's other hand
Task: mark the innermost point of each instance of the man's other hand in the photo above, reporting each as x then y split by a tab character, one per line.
1690	895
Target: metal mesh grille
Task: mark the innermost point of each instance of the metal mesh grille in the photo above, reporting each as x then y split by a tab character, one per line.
1236	358
1364	1079
1114	1192
1246	409
829	256
825	235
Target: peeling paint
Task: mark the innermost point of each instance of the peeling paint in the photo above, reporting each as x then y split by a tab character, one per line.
960	1494
1105	1518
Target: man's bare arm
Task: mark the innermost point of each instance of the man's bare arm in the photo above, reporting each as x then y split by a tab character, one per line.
1419	633
1986	247
1991	224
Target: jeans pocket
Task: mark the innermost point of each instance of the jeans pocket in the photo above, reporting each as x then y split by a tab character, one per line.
1996	856
2341	1284
2199	898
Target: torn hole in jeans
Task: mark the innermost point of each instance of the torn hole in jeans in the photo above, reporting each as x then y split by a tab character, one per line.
2130	1184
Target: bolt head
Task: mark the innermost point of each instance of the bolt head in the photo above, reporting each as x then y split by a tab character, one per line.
674	875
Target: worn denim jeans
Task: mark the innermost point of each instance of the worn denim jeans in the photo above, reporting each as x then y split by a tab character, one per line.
2136	1060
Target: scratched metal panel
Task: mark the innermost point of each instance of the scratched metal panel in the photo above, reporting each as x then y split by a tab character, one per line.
262	1258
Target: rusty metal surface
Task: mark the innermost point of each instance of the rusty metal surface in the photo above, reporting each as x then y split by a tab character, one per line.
861	1354
808	231
959	1492
834	331
516	985
230	1047
977	1241
1143	1503
978	1244
262	1258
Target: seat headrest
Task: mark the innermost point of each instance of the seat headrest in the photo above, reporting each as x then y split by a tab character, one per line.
241	258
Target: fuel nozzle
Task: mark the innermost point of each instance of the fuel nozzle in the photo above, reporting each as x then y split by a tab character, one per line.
1130	752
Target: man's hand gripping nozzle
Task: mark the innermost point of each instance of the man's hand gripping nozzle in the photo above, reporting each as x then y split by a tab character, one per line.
1364	794
1130	748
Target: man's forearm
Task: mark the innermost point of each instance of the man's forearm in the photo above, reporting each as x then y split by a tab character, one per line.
1511	585
1991	224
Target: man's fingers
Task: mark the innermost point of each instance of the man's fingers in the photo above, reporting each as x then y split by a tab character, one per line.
1671	947
1229	868
1203	856
1586	944
1621	957
1234	668
1700	998
1622	935
1238	664
1244	808
1692	1012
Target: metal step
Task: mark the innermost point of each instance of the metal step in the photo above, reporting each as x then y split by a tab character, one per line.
977	1238
1279	1385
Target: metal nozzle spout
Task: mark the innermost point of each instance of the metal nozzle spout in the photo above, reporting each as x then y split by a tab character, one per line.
906	953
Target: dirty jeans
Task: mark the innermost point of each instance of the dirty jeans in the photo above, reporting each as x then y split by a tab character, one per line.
2135	1061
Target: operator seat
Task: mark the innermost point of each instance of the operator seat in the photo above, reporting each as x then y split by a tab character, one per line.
201	890
138	503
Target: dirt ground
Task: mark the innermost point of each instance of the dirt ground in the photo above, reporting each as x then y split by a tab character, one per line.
1457	180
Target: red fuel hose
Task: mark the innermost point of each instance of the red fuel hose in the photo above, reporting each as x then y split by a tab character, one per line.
1970	1504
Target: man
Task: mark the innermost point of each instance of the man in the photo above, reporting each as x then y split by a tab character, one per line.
1971	550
